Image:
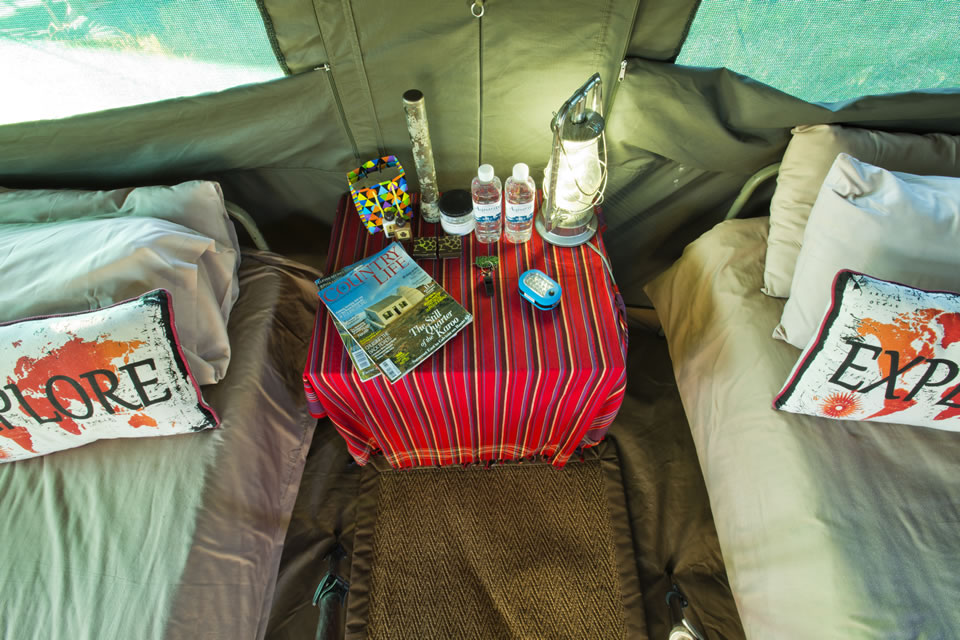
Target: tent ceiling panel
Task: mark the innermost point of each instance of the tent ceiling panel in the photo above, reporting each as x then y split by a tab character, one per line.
527	77
297	33
339	29
660	28
437	54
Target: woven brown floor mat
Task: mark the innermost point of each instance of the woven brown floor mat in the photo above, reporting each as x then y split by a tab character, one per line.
508	552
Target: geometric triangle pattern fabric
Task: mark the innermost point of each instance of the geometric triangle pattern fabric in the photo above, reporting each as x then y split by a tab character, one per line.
389	197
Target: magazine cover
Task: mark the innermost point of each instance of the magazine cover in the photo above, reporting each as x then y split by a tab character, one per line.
394	310
366	370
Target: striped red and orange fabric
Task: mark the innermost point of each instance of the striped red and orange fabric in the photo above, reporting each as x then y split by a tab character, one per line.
516	383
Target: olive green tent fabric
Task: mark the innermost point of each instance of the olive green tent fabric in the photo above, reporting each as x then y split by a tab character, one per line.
296	33
659	28
528	73
718	120
656	29
289	123
393	50
683	140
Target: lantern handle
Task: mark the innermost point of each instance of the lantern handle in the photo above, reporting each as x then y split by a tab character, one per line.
577	102
579	98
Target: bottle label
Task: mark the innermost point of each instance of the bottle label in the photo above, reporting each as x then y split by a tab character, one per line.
486	212
520	213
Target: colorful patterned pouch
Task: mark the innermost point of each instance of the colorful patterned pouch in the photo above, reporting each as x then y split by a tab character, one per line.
380	202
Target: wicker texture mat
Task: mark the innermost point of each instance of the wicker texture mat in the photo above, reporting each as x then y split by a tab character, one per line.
660	516
508	552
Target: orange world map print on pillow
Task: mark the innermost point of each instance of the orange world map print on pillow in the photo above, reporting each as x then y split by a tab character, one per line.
115	372
885	352
913	336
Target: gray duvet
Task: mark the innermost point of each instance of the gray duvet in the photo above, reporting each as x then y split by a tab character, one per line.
829	529
173	537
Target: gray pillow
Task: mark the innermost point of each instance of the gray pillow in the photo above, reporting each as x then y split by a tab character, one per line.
893	226
808	158
66	250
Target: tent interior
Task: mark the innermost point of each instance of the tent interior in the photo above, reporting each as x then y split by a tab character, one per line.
276	100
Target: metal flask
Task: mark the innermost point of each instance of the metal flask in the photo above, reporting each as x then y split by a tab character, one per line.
415	111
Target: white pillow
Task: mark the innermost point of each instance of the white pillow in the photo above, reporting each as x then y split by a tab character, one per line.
86	264
197	205
894	226
70	250
808	158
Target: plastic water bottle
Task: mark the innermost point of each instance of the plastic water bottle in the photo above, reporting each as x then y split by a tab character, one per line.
521	196
487	211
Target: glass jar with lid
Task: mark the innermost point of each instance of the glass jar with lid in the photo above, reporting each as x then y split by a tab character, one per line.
456	212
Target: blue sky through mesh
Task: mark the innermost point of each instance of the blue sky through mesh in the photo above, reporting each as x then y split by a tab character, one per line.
830	50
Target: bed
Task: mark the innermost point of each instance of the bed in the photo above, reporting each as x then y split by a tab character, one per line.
177	536
828	528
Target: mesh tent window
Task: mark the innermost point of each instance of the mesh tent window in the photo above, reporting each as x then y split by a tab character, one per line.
830	50
60	58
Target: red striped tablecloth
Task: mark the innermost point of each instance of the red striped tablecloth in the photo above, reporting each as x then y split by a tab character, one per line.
516	383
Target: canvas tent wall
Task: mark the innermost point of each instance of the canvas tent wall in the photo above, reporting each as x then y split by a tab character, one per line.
681	139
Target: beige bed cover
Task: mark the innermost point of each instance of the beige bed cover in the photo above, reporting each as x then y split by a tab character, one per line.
829	529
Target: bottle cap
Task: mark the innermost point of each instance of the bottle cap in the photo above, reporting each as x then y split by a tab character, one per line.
521	172
485	172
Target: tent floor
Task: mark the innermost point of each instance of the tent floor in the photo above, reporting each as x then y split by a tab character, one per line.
665	517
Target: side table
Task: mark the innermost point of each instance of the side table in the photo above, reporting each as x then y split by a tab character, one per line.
516	383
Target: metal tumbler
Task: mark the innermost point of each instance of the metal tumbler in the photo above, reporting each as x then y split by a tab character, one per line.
415	110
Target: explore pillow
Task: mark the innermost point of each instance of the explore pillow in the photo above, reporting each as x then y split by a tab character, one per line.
115	372
886	352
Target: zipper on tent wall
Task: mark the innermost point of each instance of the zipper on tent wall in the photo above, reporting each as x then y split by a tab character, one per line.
615	88
362	82
623	61
328	71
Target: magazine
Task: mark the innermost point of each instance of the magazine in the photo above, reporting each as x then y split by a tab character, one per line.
394	310
366	370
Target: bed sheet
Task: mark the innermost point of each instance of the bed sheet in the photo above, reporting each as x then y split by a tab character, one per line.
827	528
175	537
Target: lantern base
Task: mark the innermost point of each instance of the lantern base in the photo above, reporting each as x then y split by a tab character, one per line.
567	236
